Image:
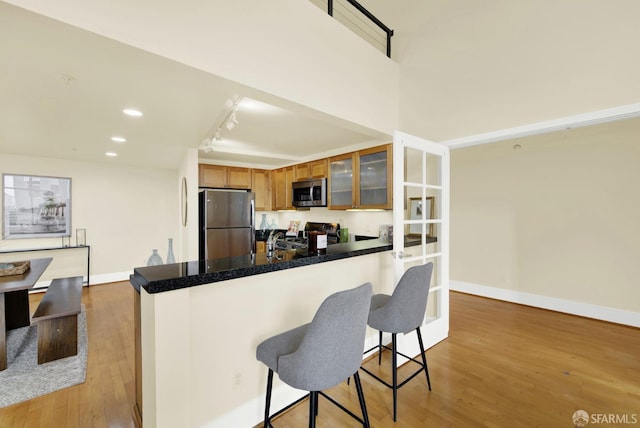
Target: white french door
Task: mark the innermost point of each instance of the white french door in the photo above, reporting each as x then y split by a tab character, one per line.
421	228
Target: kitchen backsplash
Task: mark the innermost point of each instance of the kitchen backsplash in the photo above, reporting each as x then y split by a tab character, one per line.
359	222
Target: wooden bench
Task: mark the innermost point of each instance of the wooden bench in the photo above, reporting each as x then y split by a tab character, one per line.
57	319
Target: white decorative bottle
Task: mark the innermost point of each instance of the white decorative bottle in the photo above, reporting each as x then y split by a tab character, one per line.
170	257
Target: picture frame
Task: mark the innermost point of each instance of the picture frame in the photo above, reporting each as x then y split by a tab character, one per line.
35	206
415	213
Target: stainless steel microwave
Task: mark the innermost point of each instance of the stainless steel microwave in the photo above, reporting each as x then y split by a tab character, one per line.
310	193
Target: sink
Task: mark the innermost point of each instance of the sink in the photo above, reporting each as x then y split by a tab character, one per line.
263	234
290	244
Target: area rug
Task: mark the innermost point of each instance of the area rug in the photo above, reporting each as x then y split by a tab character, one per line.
24	379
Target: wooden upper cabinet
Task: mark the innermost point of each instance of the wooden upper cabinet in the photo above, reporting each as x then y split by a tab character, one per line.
238	178
224	176
342	182
301	171
309	170
318	168
361	179
375	178
281	188
261	186
212	175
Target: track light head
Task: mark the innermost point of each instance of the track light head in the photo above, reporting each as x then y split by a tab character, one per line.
232	121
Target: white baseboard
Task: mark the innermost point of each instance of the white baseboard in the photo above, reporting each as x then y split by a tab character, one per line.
603	313
110	277
41	286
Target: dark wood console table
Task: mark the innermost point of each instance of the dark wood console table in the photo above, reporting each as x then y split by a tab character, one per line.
73	247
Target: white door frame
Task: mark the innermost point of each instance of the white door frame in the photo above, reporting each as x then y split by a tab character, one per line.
434	329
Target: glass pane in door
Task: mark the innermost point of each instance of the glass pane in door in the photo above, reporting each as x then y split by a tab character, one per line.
421	177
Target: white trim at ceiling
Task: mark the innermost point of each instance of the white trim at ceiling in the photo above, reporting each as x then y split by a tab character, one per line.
579	120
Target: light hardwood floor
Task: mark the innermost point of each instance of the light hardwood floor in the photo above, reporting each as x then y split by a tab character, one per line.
105	399
504	365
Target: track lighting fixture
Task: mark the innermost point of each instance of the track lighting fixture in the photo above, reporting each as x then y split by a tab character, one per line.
233	120
229	122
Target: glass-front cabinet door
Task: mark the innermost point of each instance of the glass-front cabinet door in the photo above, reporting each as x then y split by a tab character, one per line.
362	179
342	181
375	178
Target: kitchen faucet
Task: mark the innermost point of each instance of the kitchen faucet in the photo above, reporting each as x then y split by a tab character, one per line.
273	238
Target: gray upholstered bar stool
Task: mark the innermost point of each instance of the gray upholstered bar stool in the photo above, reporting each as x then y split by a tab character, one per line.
401	312
323	353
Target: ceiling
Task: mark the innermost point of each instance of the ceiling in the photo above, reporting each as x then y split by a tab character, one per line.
63	91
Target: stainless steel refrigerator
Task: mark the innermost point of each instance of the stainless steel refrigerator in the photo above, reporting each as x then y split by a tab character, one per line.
227	227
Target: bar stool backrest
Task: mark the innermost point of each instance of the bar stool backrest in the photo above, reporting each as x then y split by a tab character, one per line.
332	347
404	312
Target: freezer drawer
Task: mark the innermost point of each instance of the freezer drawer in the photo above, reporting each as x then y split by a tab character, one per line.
229	242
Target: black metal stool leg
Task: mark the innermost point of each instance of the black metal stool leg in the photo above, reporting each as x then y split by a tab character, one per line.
424	357
379	347
313	407
363	405
394	370
267	404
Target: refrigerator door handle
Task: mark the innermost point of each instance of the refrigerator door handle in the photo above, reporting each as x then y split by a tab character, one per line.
253	226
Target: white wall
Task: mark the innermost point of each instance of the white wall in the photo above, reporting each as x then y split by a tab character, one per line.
552	224
288	48
127	211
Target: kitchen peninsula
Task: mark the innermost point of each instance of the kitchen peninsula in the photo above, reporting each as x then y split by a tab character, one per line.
198	324
156	279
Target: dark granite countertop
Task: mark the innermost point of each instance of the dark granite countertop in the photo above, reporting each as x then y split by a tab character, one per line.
157	279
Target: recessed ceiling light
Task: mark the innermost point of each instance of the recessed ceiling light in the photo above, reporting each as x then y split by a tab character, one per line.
118	139
132	112
111	154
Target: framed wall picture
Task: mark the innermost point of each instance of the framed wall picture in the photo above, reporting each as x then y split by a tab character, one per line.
35	206
415	213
